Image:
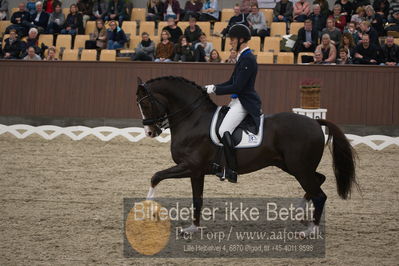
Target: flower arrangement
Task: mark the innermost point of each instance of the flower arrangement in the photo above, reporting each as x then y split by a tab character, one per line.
310	93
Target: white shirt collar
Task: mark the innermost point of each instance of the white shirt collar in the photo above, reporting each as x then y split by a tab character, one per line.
240	53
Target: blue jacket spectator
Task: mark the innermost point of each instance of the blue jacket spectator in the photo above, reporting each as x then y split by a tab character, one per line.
210	11
116	37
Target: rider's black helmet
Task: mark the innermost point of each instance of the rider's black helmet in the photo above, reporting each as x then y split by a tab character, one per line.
240	31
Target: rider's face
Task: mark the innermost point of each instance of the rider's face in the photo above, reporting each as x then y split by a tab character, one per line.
234	43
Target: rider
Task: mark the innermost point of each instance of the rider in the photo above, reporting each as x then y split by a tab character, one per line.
244	99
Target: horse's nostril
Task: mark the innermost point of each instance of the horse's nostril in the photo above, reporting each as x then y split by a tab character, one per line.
149	133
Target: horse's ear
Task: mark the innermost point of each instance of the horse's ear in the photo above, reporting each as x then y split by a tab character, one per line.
139	81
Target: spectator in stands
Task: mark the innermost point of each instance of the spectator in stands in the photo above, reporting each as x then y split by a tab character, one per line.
232	58
282	12
40	18
351	29
99	37
393	9
359	16
85	7
390	52
56	20
12	46
238	18
145	49
33	41
203	49
381	7
327	49
117	11
3	9
154	10
246	6
257	22
344	58
171	10
52	55
318	58
32	56
164	51
335	34
20	21
116	36
210	11
307	38
340	20
376	20
100	9
366	52
394	23
31	7
325	8
73	22
174	30
49	5
192	9
348	44
215	57
346	8
360	3
365	28
192	32
183	51
301	11
318	20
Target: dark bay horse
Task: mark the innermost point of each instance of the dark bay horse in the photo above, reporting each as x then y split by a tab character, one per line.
292	142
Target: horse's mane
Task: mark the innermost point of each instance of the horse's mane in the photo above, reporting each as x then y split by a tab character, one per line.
188	82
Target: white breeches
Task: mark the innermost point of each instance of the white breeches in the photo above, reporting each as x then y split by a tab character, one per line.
233	117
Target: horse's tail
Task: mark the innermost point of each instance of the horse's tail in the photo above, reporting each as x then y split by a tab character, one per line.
343	159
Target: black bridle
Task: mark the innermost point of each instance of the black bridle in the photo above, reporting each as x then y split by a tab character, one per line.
162	120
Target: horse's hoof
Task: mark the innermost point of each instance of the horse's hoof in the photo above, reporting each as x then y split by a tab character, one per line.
312	229
189	230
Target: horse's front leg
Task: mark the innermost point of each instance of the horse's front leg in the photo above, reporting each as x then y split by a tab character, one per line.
177	171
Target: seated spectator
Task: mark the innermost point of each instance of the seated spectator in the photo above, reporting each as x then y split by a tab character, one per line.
318	58
20	21
327	49
174	30
394	23
116	36
210	11
318	20
238	18
3	9
171	10
164	51
74	22
145	49
344	58
33	41
13	47
348	44
246	6
192	32
257	23
351	29
376	20
282	12
307	38
335	34
325	8
203	49
360	3
183	51
85	7
98	38
32	54
215	57
346	8
100	9
366	52
301	11
51	54
381	7
49	5
393	9
192	9
154	10
56	20
390	52
40	18
232	58
360	15
365	28
340	20
116	11
31	7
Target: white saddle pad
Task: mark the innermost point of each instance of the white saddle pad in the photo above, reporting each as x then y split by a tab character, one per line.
248	140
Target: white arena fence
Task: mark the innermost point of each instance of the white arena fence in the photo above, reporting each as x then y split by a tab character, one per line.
135	134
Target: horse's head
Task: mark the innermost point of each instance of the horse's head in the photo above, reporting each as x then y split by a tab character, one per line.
150	110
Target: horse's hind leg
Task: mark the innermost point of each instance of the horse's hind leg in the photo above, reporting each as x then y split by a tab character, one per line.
320	179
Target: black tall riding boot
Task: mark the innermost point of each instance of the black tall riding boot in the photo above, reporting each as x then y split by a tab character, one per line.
229	154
